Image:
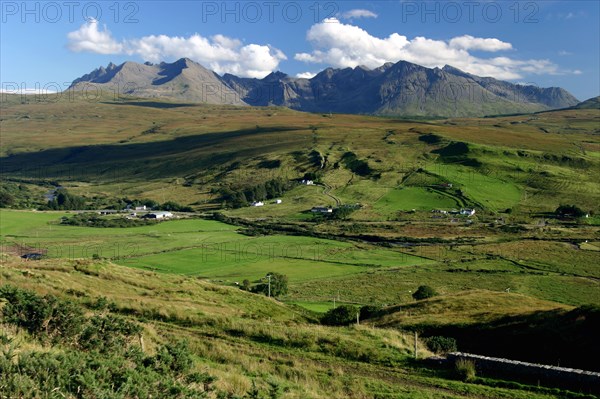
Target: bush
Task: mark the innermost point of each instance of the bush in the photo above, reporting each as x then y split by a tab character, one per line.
46	316
369	311
6	200
424	292
97	356
343	212
441	345
343	315
465	369
570	211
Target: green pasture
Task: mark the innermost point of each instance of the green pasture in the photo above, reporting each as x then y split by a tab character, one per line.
419	198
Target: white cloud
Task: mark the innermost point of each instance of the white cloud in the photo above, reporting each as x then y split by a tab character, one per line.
359	13
219	53
564	53
344	45
89	38
468	42
306	75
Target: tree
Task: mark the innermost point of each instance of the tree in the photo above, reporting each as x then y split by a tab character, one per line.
279	285
424	292
343	212
246	285
569	210
6	199
340	316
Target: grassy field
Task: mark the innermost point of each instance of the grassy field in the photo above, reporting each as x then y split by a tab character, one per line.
183	153
200	248
243	339
408	198
512	258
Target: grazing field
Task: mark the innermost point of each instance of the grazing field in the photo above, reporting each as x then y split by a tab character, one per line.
200	248
516	262
408	198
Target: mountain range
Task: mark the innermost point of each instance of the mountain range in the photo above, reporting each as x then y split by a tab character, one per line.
392	89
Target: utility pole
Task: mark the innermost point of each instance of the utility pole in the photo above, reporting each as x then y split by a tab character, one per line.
269	277
358	318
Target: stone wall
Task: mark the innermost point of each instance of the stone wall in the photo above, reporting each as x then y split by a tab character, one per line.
572	379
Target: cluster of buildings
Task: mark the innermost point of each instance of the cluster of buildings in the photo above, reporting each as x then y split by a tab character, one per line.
135	210
463	211
261	203
322	209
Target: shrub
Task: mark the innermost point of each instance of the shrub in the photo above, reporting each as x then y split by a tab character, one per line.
569	210
369	311
441	345
343	212
340	316
424	292
46	316
6	199
465	369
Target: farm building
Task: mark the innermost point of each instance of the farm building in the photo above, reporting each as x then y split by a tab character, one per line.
258	203
467	211
278	201
107	212
308	182
321	209
136	208
159	215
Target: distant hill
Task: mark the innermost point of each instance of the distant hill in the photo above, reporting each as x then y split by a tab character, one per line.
592	103
392	89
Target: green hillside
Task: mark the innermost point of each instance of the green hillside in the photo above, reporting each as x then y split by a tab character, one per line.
396	188
194	339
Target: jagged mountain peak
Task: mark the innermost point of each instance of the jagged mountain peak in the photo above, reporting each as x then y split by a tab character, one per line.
183	79
275	76
401	88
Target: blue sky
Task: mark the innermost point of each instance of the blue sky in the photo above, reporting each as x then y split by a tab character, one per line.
547	43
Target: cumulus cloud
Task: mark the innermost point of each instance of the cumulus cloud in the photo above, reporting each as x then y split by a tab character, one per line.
90	38
219	53
345	45
358	13
468	42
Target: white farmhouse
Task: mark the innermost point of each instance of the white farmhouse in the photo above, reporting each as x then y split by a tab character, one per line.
160	215
467	211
